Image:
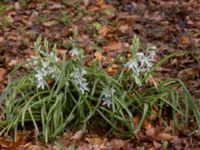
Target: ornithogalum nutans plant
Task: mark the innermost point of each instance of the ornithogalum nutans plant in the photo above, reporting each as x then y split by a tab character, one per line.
57	94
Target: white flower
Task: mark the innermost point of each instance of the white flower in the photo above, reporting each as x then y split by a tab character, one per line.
141	63
40	80
79	80
74	52
134	66
107	97
145	61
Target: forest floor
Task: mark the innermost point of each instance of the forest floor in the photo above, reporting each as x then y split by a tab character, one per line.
105	29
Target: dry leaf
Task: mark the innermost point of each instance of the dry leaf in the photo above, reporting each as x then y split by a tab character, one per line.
150	132
78	135
103	31
157	145
115	66
118	144
94	140
4	143
146	124
98	55
123	28
50	23
184	40
164	136
2	73
113	46
111	71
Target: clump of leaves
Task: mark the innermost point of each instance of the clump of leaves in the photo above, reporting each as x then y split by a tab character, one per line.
56	94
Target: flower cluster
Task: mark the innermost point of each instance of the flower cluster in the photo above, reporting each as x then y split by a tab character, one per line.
141	63
75	52
80	80
107	96
44	67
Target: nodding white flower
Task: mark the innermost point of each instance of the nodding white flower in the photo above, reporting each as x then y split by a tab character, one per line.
134	66
107	96
75	52
79	80
141	62
40	80
145	61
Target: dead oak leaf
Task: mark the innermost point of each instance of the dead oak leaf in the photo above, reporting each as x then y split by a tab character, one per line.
118	144
95	140
98	55
184	40
113	46
50	23
103	31
164	137
124	28
2	73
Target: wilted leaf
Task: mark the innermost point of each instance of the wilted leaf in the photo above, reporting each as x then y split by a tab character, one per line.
103	31
113	46
50	23
164	136
118	144
95	140
124	28
78	135
150	132
2	73
98	55
184	40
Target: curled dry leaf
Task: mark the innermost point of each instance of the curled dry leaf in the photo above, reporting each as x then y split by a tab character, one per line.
123	28
112	69
95	140
50	23
78	135
113	46
103	31
118	144
2	73
184	40
164	137
150	132
98	55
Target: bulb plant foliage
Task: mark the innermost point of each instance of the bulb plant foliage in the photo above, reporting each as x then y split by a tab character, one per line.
56	95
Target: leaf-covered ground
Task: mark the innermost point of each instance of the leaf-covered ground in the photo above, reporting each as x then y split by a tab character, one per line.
106	28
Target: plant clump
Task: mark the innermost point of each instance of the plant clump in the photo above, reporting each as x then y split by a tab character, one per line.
56	95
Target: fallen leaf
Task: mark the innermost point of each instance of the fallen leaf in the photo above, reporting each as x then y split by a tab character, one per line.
78	135
86	2
115	66
95	140
2	73
103	31
20	141
113	46
150	132
98	55
50	23
184	40
157	145
146	124
111	71
4	143
118	144
123	28
164	136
